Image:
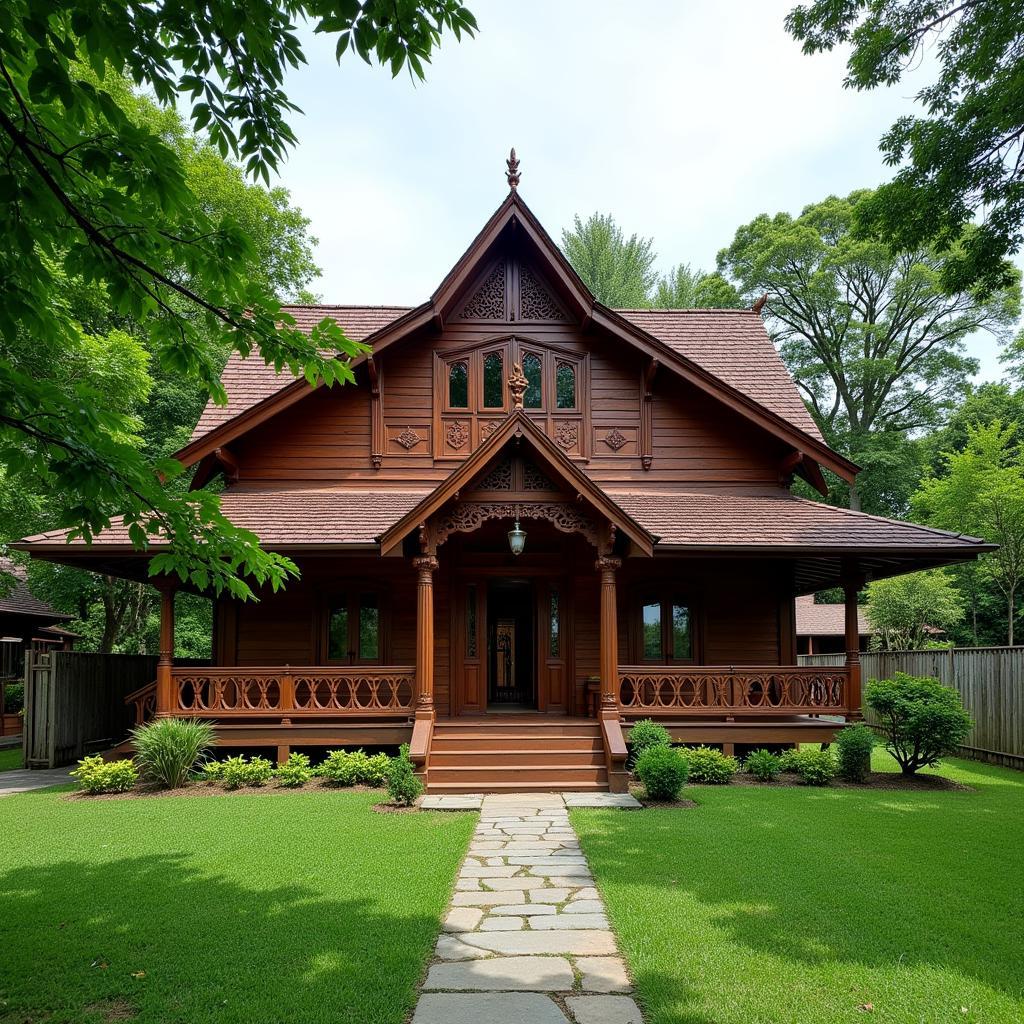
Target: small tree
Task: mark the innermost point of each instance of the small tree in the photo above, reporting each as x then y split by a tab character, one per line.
904	611
618	270
923	719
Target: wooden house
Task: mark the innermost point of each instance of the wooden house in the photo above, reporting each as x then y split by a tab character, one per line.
531	521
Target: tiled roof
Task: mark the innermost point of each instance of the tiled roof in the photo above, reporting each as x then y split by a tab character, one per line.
734	346
729	343
289	516
249	381
331	515
20	600
825	619
779	520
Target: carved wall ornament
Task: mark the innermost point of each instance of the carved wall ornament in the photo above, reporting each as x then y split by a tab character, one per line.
535	480
517	385
408	438
498	479
566	435
457	435
535	302
467	516
488	302
615	439
488	428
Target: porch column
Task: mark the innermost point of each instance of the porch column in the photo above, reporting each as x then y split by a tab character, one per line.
853	581
609	635
425	567
166	698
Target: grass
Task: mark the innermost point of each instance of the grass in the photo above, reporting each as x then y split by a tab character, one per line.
10	759
234	909
770	905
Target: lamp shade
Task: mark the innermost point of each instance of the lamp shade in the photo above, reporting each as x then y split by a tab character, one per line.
517	539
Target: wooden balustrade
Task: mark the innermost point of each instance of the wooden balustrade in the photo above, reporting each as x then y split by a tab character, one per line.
288	692
747	690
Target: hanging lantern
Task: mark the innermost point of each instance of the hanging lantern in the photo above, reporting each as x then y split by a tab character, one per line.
517	539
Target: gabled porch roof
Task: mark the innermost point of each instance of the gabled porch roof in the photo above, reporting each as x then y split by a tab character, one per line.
519	427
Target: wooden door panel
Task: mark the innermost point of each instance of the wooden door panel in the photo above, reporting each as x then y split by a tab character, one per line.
469	647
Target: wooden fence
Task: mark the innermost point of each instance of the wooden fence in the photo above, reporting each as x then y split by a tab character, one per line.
990	681
74	703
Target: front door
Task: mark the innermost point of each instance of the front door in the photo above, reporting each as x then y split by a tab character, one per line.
511	654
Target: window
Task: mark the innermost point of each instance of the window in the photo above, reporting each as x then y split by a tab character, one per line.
494	384
458	386
533	397
354	632
555	644
471	621
565	386
665	630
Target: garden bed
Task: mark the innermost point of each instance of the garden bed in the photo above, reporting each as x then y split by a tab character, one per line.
199	788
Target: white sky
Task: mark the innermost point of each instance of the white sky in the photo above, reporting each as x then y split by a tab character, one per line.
682	119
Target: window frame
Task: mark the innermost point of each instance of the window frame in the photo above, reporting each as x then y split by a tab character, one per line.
666	598
352	596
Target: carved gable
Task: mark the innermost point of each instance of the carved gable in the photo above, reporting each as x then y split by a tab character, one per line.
535	300
488	300
511	290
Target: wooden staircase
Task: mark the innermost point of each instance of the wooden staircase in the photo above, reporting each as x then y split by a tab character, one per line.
516	753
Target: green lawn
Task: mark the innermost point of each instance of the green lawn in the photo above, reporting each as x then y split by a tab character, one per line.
10	758
251	909
772	905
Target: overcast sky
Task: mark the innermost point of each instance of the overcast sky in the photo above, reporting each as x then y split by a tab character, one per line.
684	122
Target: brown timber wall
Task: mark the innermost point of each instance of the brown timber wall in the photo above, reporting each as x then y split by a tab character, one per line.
989	679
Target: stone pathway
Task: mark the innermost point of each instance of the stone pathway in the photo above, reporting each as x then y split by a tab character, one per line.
21	780
526	939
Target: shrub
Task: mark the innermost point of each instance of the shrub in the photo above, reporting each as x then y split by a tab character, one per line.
294	772
789	759
14	698
854	745
816	767
240	772
211	771
166	749
98	776
922	718
711	766
644	734
663	771
403	786
763	765
355	768
376	770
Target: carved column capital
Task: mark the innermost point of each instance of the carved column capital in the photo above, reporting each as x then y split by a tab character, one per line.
607	563
425	564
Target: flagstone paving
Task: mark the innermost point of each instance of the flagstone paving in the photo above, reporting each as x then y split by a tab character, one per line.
526	939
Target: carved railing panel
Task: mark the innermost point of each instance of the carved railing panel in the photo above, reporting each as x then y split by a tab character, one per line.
143	702
294	692
711	690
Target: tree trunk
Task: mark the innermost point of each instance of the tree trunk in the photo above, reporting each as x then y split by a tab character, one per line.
1009	623
854	497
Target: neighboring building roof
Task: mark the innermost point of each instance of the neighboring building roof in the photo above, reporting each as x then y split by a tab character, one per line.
826	619
249	381
732	344
20	600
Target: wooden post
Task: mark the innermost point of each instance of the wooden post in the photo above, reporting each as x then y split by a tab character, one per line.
166	697
425	567
853	581
609	635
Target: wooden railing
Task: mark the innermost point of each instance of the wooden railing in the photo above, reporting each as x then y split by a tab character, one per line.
287	692
747	690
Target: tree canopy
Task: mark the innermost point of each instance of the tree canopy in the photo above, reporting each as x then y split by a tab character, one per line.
905	611
874	342
963	156
93	196
618	270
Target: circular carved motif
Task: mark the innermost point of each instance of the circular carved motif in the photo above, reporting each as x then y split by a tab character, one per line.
566	435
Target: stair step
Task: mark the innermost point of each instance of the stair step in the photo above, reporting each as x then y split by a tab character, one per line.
514	758
539	786
559	773
578	744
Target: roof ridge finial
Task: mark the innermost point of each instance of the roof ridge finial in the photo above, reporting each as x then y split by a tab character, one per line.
513	170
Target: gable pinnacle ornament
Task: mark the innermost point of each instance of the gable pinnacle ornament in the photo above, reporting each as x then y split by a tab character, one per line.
513	170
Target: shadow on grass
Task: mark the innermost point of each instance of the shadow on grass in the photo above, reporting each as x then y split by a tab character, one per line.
154	939
820	877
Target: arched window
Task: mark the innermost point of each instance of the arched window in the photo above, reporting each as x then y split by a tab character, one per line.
534	395
565	386
458	386
494	385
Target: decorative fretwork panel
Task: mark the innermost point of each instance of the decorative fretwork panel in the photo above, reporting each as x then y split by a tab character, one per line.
488	301
467	516
535	480
535	301
499	478
288	692
690	690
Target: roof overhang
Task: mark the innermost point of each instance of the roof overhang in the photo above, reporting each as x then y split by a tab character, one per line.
518	427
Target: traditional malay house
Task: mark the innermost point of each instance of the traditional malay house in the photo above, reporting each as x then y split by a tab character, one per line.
531	521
